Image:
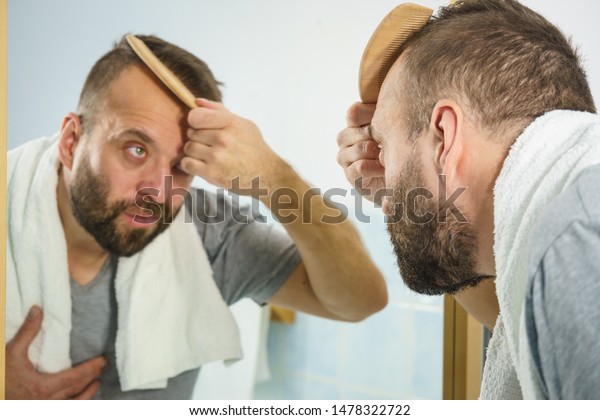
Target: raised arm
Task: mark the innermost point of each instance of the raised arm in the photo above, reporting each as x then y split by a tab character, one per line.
336	278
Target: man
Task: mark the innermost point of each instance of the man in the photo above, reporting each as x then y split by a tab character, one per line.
486	136
133	274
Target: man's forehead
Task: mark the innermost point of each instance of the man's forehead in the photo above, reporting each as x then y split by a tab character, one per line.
388	101
383	112
390	86
137	102
126	82
137	87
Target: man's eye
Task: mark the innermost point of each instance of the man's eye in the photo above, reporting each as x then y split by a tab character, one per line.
137	152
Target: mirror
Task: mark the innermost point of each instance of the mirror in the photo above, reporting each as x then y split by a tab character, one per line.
292	68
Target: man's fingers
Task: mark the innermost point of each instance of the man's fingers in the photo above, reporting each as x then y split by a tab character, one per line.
360	114
73	392
72	381
362	150
194	166
89	392
365	168
209	137
197	150
30	328
207	103
351	135
207	118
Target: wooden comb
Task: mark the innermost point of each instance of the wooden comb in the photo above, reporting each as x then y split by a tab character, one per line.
161	71
385	45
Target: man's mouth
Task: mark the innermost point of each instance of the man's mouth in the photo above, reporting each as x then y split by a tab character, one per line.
141	219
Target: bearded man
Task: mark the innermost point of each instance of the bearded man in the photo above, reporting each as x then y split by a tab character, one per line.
486	138
132	267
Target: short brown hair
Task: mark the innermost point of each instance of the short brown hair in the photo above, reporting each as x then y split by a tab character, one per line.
506	63
192	71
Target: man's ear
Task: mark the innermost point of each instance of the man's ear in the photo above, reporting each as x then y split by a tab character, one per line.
446	125
70	133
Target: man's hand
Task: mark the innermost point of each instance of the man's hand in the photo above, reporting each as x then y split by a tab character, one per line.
358	153
223	146
24	382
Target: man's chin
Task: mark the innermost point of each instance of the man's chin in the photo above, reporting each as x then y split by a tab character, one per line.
450	284
131	248
132	240
133	233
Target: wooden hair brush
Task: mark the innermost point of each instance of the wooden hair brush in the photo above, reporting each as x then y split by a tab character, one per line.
385	46
161	71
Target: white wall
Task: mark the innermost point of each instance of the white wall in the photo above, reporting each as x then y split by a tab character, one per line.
291	66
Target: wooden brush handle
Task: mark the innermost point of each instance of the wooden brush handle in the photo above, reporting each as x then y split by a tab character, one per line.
161	71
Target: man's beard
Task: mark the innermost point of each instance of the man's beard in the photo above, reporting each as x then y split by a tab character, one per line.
89	201
435	253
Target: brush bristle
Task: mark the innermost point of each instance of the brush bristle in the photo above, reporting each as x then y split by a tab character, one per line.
392	52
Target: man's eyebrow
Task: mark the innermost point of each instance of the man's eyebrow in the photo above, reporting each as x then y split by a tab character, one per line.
136	133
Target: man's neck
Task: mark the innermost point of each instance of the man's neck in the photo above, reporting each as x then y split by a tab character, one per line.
85	256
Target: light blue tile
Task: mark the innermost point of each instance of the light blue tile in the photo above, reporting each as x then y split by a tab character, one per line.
271	389
428	356
437	301
296	387
349	393
275	344
377	353
311	345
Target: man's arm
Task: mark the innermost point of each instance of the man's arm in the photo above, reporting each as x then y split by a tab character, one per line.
337	278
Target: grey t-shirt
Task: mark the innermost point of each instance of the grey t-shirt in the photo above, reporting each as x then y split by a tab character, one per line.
562	307
249	258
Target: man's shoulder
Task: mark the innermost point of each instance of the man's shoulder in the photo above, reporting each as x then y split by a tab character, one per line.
575	210
29	151
562	294
588	188
39	145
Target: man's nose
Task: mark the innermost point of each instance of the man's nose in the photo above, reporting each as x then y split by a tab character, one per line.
157	184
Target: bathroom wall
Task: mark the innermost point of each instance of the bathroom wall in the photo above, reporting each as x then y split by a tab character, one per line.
292	67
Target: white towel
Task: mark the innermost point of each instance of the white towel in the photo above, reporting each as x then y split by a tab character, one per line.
542	163
172	317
